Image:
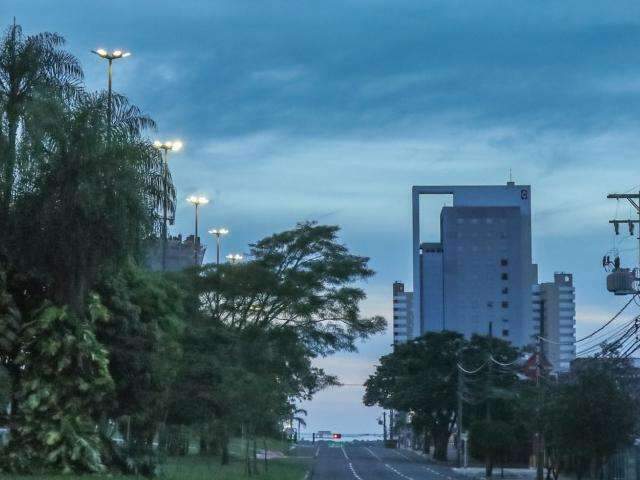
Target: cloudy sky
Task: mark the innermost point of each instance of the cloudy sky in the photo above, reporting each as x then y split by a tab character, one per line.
295	110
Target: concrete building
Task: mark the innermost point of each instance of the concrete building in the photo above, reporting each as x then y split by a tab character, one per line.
480	274
402	313
553	309
180	254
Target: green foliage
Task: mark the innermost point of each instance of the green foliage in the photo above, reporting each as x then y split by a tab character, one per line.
491	440
421	377
64	385
143	337
589	416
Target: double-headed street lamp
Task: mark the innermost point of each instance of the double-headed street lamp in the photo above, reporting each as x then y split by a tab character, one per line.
218	232
234	258
110	57
196	202
165	147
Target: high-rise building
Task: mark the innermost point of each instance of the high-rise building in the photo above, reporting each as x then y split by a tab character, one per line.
553	312
402	313
479	276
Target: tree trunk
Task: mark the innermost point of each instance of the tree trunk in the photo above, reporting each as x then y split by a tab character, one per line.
440	444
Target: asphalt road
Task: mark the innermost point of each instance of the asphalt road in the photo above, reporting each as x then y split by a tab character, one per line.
358	462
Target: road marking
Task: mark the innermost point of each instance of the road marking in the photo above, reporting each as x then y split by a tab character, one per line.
345	453
406	477
317	451
306	475
402	454
372	453
355	474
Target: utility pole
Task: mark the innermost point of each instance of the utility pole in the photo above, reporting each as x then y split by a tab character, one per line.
489	371
539	436
634	200
459	419
384	425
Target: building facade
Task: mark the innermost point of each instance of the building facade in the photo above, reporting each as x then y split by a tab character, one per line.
480	275
402	313
181	254
553	314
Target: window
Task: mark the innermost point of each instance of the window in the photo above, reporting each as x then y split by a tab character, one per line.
504	262
505	333
505	290
505	304
504	276
490	304
505	320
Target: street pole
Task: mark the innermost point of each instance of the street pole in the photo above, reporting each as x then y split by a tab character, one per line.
195	240
459	419
109	98
384	425
539	435
217	249
164	210
110	57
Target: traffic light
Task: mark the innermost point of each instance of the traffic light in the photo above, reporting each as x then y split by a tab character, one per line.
336	436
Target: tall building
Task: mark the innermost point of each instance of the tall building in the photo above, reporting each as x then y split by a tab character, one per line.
553	311
479	276
402	313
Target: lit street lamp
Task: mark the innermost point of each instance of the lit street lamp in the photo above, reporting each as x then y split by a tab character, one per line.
165	147
234	258
196	201
110	56
218	232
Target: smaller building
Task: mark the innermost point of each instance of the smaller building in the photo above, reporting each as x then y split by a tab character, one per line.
402	313
181	254
554	318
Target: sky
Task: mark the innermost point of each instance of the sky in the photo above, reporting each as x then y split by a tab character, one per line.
331	111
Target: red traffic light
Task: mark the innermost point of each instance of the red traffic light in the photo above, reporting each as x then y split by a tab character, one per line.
336	436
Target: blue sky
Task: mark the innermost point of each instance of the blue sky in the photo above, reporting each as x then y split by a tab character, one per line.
297	110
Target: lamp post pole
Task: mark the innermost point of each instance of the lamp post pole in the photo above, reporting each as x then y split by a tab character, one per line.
196	201
110	57
165	147
218	232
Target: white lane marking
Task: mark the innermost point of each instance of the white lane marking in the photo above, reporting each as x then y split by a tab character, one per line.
372	453
345	453
317	451
406	477
353	470
306	475
401	454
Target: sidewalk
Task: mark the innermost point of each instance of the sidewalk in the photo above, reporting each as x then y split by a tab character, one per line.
510	473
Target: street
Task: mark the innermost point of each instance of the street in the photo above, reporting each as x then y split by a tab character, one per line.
365	462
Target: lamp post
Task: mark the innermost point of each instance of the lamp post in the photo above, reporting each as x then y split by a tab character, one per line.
110	57
196	201
234	258
218	232
165	147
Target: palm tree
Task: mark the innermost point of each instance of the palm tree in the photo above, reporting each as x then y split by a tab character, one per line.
29	66
87	203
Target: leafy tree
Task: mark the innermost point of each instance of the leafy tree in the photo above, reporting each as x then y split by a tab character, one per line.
590	416
420	377
491	440
63	387
142	335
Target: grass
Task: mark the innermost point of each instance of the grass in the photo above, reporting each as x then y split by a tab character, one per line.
195	467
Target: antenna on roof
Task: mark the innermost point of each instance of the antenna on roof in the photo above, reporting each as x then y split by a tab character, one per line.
510	182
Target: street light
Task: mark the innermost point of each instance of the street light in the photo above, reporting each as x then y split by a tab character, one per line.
218	232
110	57
165	147
196	201
234	258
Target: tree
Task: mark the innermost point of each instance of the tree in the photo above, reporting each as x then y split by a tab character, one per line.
30	66
590	416
420	377
64	385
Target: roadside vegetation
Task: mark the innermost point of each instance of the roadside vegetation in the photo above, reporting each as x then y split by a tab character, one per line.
107	367
584	417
